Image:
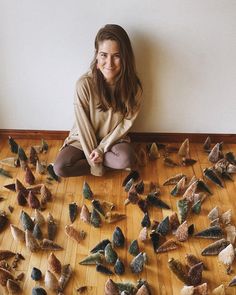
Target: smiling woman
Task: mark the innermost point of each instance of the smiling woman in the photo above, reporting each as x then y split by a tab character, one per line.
108	60
107	101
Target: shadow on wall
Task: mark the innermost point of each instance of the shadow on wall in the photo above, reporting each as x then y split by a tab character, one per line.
165	78
167	82
146	55
1	114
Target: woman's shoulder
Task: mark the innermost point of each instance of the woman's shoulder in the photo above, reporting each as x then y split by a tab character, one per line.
84	80
85	87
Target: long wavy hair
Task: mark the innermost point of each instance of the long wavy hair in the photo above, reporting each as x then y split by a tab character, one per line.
124	98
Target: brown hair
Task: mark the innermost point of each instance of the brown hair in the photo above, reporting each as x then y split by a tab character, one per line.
127	84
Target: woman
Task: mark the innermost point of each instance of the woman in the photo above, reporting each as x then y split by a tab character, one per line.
107	101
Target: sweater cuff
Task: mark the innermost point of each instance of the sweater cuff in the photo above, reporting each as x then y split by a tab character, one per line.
97	170
99	150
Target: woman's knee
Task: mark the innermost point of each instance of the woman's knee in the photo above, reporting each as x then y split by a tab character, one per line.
60	169
66	160
121	156
126	159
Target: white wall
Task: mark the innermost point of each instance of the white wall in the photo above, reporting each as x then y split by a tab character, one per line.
185	53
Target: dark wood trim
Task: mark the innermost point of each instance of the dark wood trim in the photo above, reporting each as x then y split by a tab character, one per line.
180	137
135	136
33	134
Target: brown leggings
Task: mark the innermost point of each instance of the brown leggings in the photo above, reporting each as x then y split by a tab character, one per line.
71	161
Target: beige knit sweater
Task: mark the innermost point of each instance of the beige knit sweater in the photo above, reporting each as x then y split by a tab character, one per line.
95	129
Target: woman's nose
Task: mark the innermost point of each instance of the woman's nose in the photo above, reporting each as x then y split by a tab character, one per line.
110	61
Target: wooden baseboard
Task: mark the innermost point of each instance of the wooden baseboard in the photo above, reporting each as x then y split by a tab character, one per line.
135	136
33	134
180	137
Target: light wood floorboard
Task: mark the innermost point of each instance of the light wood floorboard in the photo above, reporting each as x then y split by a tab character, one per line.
109	187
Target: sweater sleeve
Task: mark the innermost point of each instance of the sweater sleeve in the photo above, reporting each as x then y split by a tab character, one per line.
120	130
86	133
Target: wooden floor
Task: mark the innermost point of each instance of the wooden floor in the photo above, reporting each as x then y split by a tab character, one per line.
109	187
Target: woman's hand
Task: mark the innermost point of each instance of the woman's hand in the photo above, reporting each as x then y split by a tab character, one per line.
95	157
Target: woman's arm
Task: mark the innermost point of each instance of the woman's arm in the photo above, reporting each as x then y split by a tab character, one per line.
86	133
120	130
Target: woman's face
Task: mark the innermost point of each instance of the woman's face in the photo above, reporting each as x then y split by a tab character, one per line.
108	60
